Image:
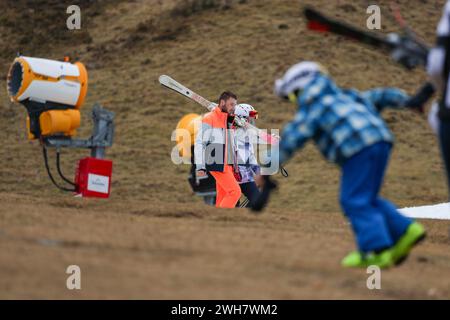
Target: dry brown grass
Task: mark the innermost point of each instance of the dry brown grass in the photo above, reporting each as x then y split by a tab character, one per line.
153	235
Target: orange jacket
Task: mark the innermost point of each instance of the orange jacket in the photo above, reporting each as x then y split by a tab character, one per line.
212	143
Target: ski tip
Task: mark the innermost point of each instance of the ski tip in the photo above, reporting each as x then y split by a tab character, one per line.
310	13
162	78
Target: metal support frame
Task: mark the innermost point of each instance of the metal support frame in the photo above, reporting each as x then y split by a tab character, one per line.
102	136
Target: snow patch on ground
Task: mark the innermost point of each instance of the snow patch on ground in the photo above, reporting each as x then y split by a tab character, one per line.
439	211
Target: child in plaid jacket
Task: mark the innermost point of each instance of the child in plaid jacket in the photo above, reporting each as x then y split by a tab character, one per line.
348	130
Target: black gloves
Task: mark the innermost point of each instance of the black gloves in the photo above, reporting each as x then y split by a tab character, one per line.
421	97
260	202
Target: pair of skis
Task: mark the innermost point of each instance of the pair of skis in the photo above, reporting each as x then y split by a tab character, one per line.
174	85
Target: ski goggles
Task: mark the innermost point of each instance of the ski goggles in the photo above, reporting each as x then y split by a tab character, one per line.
253	114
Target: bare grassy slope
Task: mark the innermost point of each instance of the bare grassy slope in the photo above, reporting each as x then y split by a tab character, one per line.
152	221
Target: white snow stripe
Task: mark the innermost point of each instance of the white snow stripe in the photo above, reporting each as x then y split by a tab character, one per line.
439	211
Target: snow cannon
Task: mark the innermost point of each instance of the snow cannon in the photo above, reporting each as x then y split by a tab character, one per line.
53	92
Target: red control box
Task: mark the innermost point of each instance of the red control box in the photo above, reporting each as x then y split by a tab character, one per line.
93	177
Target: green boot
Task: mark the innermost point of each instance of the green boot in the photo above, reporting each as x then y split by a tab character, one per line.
356	259
413	235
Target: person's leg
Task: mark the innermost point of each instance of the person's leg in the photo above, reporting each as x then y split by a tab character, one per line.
444	140
405	232
358	189
397	223
220	193
229	187
250	190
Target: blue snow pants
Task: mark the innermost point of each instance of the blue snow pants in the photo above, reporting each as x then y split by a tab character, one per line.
375	221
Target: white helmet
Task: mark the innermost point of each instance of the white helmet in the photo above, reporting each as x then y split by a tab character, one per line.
246	112
243	110
297	78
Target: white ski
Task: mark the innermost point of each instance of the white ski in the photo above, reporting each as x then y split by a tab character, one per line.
170	83
174	85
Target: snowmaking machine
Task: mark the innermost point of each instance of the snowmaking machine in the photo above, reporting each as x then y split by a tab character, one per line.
53	93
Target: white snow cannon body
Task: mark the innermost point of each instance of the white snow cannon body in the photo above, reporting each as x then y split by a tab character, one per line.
52	91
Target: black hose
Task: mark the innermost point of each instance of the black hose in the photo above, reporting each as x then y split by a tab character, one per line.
44	151
58	167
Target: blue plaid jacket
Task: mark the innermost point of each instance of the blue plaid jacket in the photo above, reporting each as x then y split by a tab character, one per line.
341	122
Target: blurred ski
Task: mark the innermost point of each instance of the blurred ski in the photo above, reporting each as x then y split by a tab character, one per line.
405	49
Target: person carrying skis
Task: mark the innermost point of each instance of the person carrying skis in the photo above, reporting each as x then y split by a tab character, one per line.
214	150
348	130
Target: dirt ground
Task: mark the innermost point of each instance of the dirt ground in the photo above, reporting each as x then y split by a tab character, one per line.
153	238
